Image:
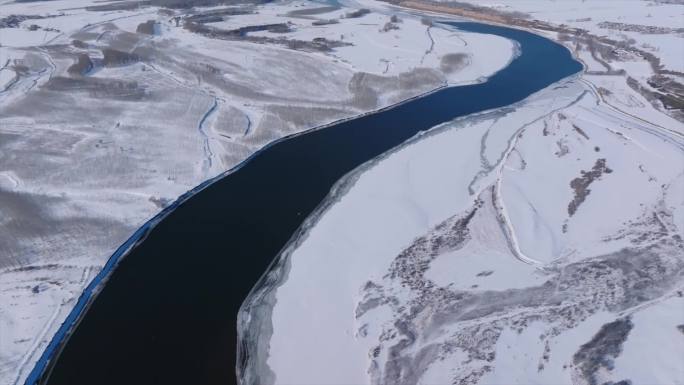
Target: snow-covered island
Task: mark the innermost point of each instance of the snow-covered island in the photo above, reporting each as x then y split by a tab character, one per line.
111	110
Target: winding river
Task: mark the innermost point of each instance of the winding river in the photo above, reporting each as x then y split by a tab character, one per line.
167	314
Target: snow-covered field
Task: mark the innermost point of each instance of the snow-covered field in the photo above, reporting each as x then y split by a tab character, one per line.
108	114
656	26
638	42
536	245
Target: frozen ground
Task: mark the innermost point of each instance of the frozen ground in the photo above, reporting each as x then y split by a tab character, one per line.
537	244
638	42
655	26
111	110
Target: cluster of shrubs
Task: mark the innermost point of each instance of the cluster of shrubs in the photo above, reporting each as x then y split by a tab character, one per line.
391	24
357	13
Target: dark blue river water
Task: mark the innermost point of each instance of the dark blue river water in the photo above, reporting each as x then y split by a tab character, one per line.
167	314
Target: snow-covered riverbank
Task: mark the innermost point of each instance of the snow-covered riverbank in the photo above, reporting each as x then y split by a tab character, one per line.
493	248
95	150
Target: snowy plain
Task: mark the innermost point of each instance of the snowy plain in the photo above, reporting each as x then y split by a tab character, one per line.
613	19
638	42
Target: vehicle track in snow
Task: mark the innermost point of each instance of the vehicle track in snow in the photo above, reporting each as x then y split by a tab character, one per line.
501	212
208	154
